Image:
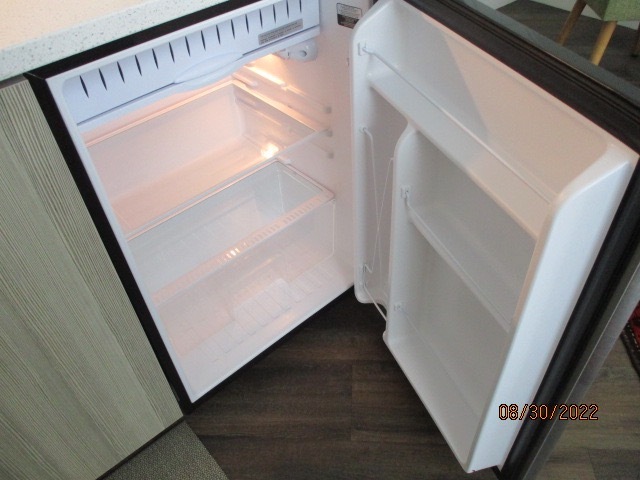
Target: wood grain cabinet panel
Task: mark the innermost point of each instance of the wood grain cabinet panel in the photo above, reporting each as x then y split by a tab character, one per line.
80	387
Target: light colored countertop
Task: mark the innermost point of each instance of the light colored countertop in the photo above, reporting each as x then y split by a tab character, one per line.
38	32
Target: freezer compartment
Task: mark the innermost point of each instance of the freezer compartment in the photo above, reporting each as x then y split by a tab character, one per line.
231	274
193	56
156	163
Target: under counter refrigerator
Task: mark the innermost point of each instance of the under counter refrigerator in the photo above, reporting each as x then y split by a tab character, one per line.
254	165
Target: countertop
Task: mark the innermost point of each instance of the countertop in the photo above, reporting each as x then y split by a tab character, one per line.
38	32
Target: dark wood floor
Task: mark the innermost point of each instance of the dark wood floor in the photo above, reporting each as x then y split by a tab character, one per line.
329	402
548	21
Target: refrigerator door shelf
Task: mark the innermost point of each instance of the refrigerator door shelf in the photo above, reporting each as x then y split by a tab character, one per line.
480	242
467	235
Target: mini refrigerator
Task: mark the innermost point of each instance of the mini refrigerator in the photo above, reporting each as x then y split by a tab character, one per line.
252	166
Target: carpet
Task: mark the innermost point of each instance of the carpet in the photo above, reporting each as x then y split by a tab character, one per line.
177	455
631	338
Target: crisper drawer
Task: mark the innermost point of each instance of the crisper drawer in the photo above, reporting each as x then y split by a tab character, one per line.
224	273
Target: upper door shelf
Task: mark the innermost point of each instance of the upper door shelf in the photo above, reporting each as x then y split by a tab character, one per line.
520	157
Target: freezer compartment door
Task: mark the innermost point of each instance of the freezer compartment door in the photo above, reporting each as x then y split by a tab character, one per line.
482	203
190	58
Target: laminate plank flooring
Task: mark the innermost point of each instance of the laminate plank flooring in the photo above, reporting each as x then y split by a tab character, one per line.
548	21
330	402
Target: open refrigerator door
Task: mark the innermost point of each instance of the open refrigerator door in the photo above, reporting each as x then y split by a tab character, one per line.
483	219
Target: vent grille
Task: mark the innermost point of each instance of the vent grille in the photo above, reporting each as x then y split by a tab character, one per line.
158	63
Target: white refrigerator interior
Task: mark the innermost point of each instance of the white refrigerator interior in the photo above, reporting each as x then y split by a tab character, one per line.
226	176
250	180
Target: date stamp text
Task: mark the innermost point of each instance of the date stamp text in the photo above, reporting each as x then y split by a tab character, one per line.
561	411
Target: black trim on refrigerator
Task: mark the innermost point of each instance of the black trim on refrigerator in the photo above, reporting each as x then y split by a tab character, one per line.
583	330
610	103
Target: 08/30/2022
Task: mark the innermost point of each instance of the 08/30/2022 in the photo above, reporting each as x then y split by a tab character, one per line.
548	412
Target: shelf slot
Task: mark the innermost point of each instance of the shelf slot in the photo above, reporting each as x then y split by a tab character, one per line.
489	251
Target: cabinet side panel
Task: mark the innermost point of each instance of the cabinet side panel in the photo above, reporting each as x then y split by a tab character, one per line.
82	388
